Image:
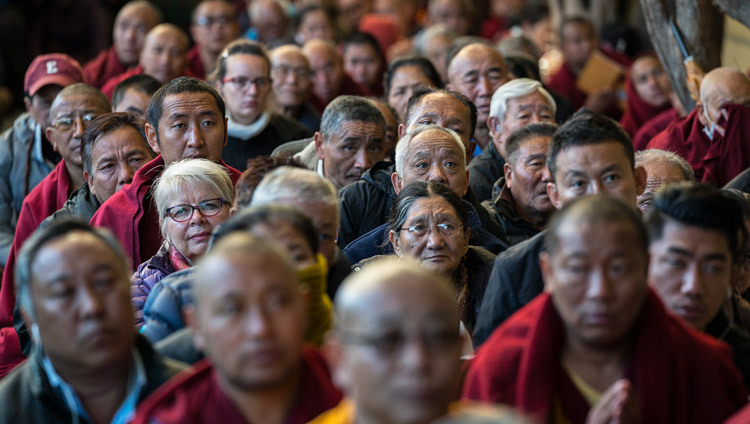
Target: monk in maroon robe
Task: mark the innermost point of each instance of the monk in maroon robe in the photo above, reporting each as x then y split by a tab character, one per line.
648	93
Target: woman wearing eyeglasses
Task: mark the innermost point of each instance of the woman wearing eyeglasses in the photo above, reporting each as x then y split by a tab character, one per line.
429	223
192	197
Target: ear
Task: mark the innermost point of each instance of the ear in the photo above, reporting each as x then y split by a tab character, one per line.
192	322
401	131
27	102
508	172
396	182
449	86
640	179
318	137
232	211
466	189
395	242
494	125
152	138
89	181
468	236
48	133
701	113
554	196
544	264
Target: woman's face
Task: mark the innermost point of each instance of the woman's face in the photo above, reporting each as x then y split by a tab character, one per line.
405	80
191	237
433	234
650	81
289	237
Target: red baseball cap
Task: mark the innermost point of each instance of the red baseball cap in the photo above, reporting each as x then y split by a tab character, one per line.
53	68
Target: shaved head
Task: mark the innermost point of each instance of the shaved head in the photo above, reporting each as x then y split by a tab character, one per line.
721	86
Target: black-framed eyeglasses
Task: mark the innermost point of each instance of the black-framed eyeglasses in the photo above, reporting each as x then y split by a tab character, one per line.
209	21
392	342
448	229
244	83
207	208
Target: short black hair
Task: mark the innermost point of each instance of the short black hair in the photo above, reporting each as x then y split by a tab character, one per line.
587	128
104	124
698	205
421	62
143	83
576	20
421	92
310	8
177	86
363	38
514	141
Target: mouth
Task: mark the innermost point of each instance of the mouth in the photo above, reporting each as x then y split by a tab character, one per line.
598	319
202	236
194	156
690	312
98	336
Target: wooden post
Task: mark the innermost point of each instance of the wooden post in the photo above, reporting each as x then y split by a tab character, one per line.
736	9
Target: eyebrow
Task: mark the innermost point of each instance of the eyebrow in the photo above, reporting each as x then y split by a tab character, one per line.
536	156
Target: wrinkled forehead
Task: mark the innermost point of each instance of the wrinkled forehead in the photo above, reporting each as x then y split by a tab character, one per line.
77	103
434	144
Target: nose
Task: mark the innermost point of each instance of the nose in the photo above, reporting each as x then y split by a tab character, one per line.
595	187
415	356
437	175
90	304
125	174
599	285
434	238
197	217
258	323
363	160
546	176
485	87
195	137
692	282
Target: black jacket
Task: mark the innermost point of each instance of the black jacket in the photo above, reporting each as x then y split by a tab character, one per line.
502	209
484	170
741	182
516	279
733	333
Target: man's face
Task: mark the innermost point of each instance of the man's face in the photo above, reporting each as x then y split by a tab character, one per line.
350	151
597	280
272	23
130	29
520	112
405	80
363	64
658	173
215	25
735	91
433	157
407	368
70	118
650	81
245	87
328	72
323	216
476	72
291	75
452	14
317	25
592	169
81	295
39	104
134	101
115	157
191	126
251	322
391	129
578	41
164	55
691	269
443	110
527	178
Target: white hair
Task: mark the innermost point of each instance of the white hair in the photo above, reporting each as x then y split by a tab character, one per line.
302	185
518	87
402	147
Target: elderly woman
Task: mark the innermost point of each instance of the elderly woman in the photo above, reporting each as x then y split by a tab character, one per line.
192	197
429	223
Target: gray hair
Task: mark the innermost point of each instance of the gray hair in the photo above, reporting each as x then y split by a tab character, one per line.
349	108
518	87
190	174
402	148
655	155
286	184
57	229
424	37
79	89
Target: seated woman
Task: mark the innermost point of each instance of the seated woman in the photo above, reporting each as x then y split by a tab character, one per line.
403	76
429	223
648	93
192	197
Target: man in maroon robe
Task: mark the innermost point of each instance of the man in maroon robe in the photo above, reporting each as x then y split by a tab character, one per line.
249	320
329	78
214	25
132	23
599	344
186	120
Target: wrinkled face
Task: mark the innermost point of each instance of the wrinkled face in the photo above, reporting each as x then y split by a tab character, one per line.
164	55
134	101
215	25
328	72
316	26
289	237
245	87
70	118
735	91
520	112
39	104
130	29
363	64
433	234
81	295
115	156
578	41
433	156
350	151
252	321
658	173
650	81
406	367
191	126
191	237
691	269
529	176
476	72
405	80
452	14
597	280
443	110
291	75
593	169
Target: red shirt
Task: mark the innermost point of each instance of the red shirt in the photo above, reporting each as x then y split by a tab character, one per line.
195	396
637	111
653	127
105	66
195	64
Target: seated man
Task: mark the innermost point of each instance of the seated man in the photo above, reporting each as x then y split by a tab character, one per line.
214	25
390	308
695	252
329	78
520	202
132	23
661	168
598	345
133	95
514	105
291	80
87	364
186	120
249	320
433	154
589	154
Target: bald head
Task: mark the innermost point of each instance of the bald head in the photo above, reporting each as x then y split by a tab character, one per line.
327	68
722	86
164	54
132	23
80	89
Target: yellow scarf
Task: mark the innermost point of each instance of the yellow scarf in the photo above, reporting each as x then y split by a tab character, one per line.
319	307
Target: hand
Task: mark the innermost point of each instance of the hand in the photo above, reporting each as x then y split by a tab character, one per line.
599	101
617	405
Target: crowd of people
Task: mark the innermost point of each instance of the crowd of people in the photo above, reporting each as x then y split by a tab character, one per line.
372	211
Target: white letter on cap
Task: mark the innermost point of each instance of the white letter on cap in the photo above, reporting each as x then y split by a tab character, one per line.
52	67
